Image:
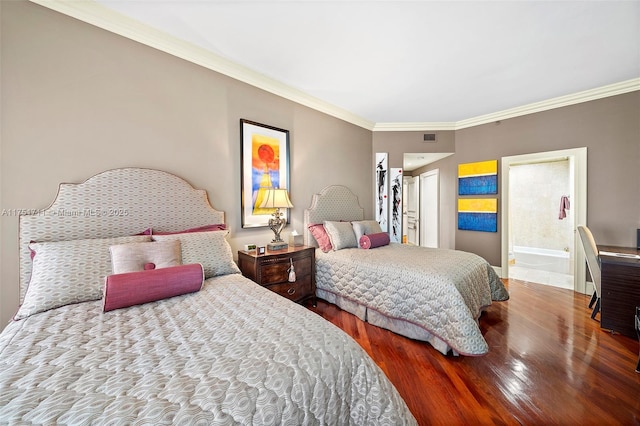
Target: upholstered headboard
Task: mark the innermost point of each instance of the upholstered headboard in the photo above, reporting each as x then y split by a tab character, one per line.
115	203
335	202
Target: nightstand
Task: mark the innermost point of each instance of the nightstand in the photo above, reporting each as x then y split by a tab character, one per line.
271	270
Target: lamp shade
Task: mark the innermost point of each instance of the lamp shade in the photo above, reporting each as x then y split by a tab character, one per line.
276	198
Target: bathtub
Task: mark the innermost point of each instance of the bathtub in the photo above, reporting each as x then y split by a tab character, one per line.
544	259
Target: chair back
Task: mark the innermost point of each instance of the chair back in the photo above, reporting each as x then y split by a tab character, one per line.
591	253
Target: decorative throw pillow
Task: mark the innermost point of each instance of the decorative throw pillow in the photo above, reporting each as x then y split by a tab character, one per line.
365	227
140	256
210	249
136	288
374	240
321	236
341	234
66	272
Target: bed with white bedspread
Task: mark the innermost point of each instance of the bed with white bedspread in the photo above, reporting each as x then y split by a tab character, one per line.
435	295
230	353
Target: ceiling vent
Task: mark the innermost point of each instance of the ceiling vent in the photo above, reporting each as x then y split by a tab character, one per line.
429	137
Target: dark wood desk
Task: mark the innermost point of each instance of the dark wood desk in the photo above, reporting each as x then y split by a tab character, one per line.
620	292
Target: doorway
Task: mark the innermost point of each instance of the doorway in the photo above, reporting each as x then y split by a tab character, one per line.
429	208
540	181
411	211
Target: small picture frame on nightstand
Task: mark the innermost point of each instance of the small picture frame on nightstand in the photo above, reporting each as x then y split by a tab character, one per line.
261	250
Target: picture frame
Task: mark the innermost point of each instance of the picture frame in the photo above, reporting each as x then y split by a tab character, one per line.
264	153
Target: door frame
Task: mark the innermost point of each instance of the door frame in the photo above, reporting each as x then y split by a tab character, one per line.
578	174
434	199
412	185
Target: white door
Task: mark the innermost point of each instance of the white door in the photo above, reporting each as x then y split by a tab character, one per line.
413	211
429	208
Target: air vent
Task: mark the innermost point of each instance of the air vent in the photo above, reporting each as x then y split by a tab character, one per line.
429	137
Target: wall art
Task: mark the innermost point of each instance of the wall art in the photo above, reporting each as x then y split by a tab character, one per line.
478	178
395	182
264	164
478	214
382	185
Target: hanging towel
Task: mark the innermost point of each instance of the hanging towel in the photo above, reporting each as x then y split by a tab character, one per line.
564	205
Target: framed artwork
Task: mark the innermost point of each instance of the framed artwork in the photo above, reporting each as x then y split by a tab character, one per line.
478	214
395	182
264	156
478	178
382	201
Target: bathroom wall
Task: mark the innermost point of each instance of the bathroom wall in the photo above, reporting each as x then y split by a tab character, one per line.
534	196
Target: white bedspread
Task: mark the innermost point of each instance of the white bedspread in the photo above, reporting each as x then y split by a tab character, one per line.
234	353
442	291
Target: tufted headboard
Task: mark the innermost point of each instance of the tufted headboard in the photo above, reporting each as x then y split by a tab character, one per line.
335	202
115	203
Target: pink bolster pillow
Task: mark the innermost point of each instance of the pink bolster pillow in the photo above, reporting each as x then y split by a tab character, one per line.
136	288
374	240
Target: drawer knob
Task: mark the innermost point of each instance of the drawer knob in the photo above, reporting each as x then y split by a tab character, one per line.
291	291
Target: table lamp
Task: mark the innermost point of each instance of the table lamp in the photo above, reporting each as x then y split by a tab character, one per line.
276	198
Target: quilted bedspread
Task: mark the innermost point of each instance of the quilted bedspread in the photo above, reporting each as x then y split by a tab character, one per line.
440	290
233	353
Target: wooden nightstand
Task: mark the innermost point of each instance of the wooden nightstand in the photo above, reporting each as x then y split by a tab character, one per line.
271	270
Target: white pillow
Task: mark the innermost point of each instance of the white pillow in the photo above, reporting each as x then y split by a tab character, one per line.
210	249
134	257
66	272
365	227
341	234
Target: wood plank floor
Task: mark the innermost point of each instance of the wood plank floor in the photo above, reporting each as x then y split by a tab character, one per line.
548	363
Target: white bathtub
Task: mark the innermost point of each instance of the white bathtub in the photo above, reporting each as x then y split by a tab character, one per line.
544	259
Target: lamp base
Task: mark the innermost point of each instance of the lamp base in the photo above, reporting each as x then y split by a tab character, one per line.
277	246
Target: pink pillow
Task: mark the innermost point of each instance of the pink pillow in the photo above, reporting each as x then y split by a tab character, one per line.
321	236
136	288
205	228
145	232
374	240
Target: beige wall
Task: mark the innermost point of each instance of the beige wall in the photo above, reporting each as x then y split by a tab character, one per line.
609	128
77	100
398	143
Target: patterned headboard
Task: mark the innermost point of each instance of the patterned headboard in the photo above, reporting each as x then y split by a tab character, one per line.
115	203
335	202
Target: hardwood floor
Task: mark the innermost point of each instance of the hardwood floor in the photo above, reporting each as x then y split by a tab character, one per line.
548	363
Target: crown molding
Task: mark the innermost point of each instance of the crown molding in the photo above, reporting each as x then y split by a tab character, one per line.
95	14
100	16
561	101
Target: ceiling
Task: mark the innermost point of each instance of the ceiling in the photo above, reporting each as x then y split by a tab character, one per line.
390	63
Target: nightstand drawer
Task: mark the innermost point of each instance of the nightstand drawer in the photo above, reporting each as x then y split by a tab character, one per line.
294	291
271	270
278	271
